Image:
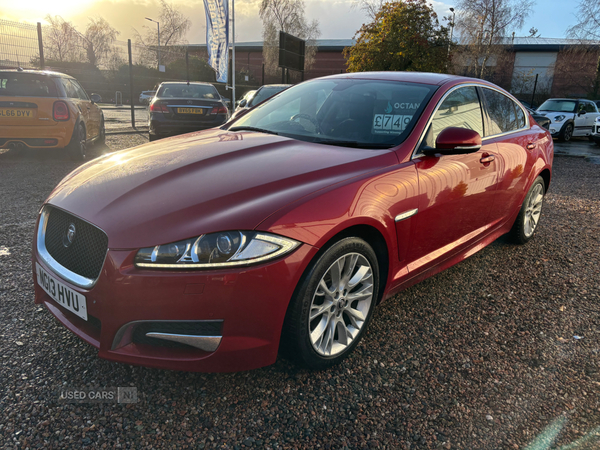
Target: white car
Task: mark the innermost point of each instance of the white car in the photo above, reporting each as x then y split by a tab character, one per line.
569	117
146	97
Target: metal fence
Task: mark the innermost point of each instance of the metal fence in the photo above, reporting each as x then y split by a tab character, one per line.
19	45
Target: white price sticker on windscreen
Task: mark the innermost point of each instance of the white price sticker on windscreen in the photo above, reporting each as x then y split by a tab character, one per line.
390	123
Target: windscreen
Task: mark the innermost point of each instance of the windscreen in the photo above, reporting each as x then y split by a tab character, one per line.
188	91
15	84
559	105
368	113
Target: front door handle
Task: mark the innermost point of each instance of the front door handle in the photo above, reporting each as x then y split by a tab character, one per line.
531	146
487	159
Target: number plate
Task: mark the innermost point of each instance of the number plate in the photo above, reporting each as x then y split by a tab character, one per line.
190	111
61	294
17	113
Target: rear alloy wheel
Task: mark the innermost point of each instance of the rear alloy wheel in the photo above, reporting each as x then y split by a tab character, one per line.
333	304
77	146
529	216
567	133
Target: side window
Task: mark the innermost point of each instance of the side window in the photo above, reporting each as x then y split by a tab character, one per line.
70	89
589	107
520	117
502	112
80	91
460	109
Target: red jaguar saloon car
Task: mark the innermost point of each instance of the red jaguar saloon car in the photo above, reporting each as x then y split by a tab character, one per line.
213	250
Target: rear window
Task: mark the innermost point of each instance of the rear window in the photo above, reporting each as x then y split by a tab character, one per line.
188	91
26	85
266	93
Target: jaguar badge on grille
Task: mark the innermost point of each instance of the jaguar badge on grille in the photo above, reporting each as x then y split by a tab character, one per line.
69	235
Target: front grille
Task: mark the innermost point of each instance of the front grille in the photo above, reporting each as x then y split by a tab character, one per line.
85	255
199	328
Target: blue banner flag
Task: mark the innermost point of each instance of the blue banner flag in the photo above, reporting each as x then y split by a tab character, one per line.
217	36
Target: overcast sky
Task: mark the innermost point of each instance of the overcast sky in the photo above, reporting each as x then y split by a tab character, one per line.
338	20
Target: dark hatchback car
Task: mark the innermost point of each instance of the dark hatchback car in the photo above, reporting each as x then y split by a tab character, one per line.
181	107
263	93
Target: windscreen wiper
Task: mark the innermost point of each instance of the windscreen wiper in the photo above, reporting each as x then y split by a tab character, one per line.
353	144
259	130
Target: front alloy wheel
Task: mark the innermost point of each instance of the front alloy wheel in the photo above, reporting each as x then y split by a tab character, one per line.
567	133
340	304
333	304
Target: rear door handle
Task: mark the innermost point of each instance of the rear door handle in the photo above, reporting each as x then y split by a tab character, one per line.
487	159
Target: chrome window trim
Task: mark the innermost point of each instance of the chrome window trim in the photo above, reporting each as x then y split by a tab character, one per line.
54	265
417	154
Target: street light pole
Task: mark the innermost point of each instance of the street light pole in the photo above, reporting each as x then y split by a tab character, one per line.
451	34
158	49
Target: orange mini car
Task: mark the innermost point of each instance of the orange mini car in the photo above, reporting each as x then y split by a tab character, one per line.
41	109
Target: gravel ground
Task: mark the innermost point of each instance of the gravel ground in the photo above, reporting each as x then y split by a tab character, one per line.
482	356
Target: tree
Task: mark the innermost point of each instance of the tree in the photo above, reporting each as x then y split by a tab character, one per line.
174	25
482	26
403	36
588	12
99	37
286	16
370	7
62	42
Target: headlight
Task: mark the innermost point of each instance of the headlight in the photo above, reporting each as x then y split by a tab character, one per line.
226	249
559	118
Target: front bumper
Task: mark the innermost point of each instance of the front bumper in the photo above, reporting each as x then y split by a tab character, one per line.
246	305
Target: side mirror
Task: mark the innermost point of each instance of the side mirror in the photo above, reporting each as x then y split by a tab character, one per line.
455	141
583	111
242	103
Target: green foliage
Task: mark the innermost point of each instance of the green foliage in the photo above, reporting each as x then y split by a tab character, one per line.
404	36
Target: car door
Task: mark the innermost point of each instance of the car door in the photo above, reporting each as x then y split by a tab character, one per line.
591	112
73	96
456	192
92	112
516	143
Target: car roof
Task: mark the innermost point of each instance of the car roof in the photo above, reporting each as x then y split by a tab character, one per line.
48	73
570	99
275	85
187	82
409	77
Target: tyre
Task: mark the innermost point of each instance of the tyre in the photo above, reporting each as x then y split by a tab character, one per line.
333	304
77	146
566	133
529	216
102	135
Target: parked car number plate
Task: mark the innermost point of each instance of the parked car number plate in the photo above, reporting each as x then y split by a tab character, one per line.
190	111
61	294
21	113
